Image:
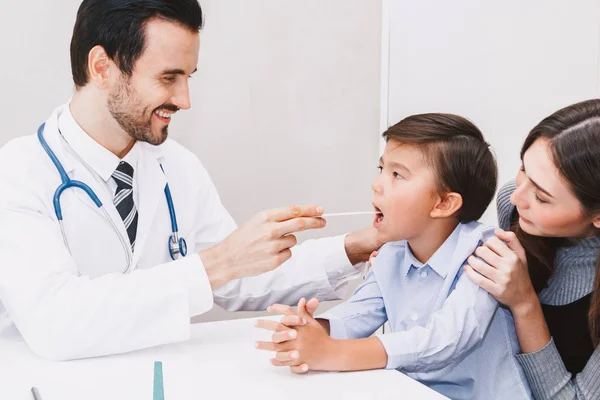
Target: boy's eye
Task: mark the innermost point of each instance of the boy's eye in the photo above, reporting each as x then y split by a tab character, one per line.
398	176
380	168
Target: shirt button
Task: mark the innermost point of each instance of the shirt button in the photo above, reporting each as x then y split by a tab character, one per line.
424	274
414	316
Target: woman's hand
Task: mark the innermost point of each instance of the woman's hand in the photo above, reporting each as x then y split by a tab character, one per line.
501	270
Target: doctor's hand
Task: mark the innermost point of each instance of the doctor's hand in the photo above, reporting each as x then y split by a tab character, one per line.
260	245
305	347
360	245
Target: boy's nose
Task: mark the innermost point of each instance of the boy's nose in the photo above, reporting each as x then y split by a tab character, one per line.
376	186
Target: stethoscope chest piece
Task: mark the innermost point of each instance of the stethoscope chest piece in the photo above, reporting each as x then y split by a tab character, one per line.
177	247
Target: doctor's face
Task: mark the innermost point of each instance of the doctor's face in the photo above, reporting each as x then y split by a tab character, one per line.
144	103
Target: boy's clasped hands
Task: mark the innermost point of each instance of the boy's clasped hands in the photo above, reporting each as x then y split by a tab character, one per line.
299	341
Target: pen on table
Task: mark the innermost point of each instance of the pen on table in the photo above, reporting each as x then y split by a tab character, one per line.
158	386
36	393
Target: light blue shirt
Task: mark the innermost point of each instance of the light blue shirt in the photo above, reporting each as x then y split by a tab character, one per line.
447	332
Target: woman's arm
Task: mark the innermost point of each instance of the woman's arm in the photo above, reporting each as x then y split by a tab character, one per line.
502	271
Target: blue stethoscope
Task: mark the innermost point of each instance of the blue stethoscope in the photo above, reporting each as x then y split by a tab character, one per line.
177	245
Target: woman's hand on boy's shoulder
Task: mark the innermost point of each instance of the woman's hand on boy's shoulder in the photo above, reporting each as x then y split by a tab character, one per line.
499	266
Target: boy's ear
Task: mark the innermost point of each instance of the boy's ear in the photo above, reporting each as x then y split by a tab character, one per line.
447	205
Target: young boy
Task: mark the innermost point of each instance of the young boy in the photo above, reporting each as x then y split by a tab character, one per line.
437	178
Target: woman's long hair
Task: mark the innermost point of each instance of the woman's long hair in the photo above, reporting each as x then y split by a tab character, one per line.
574	135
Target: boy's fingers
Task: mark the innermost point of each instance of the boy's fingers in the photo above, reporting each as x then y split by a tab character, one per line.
284	336
278	363
312	305
302	311
281	309
269	346
287	355
270	325
293	320
299	369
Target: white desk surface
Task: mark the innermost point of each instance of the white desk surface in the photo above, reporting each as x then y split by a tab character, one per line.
218	362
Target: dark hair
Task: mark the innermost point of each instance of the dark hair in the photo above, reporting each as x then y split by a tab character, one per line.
119	27
460	156
574	134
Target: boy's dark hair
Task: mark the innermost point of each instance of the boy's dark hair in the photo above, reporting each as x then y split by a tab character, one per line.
459	155
119	27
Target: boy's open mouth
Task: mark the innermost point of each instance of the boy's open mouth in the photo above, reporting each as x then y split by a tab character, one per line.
378	217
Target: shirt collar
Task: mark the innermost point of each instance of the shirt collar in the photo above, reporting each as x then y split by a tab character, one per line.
440	262
98	158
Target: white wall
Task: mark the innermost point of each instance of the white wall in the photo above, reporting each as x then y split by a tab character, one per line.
504	65
285	103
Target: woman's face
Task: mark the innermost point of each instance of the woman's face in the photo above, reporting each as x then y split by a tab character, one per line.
546	205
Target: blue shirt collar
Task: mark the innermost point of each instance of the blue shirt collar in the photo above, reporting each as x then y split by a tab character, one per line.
440	262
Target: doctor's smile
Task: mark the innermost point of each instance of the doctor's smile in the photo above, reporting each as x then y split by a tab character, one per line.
164	114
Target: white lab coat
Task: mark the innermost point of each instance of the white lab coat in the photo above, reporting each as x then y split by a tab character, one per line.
78	305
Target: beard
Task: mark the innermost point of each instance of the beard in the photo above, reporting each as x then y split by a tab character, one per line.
134	117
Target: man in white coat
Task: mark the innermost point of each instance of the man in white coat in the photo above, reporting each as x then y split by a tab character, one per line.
99	283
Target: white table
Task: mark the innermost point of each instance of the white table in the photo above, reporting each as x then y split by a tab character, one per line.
219	362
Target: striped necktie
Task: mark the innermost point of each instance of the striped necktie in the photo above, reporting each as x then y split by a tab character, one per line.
123	199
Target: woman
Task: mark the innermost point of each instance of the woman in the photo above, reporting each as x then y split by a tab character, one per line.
549	275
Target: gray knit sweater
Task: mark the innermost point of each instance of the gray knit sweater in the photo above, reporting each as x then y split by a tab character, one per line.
573	279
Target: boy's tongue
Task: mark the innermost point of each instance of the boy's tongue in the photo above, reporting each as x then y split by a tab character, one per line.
378	220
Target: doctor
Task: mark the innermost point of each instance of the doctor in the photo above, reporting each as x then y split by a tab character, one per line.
78	280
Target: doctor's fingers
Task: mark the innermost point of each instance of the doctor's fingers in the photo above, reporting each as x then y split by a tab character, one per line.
285	243
297	225
290	212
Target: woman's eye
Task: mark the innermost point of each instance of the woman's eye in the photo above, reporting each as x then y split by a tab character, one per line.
538	199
